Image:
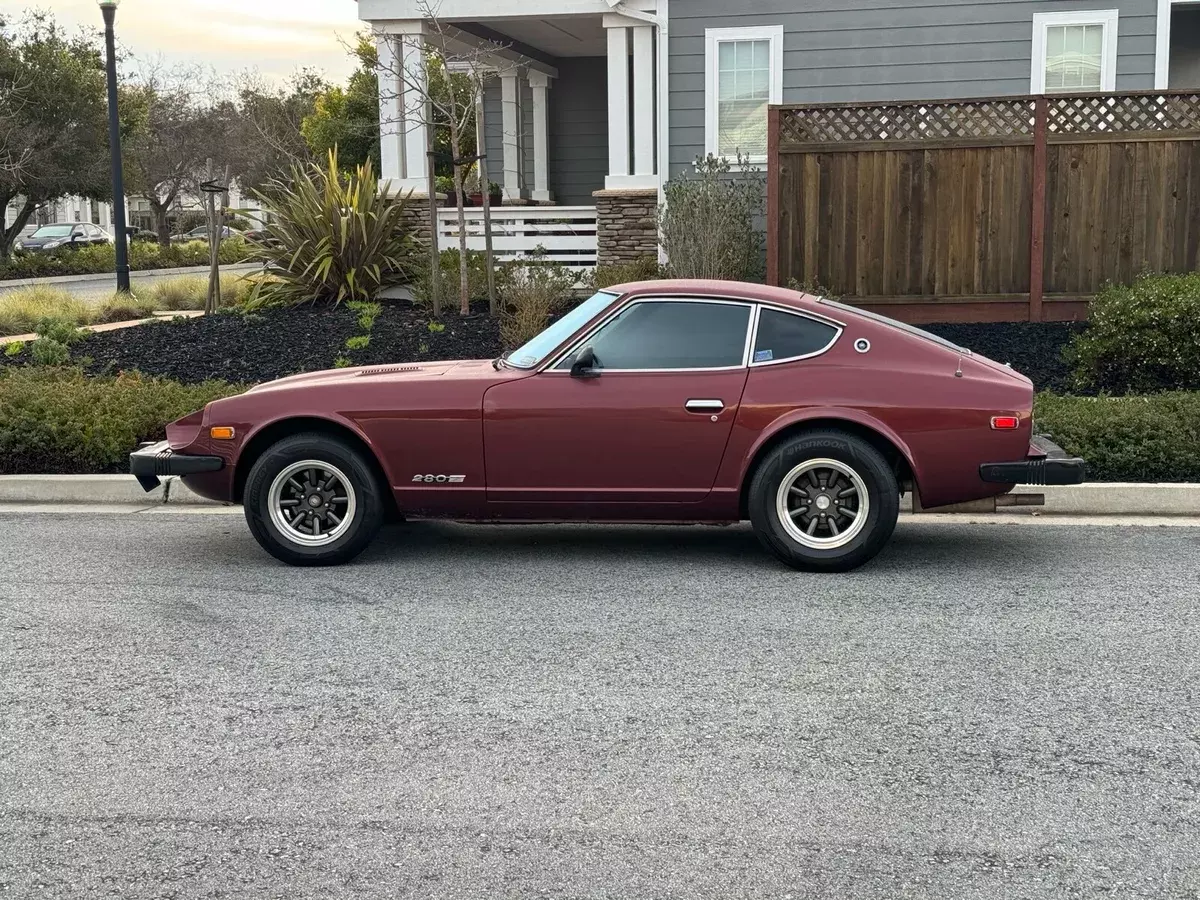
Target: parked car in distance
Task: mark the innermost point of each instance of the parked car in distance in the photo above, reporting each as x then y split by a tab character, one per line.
201	234
261	236
142	236
64	236
663	401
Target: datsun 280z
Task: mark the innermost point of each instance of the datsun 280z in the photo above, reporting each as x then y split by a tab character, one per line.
664	401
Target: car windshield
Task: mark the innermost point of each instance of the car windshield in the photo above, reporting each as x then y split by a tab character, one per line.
53	231
532	353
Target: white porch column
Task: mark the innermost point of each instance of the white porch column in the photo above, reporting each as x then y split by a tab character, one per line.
514	144
539	82
631	157
643	100
402	114
618	104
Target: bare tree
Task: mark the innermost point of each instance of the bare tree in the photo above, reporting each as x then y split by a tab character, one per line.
179	123
456	68
14	153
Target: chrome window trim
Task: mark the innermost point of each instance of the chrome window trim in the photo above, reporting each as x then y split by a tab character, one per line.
838	327
751	330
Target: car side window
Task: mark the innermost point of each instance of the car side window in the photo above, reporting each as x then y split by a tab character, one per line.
783	335
656	334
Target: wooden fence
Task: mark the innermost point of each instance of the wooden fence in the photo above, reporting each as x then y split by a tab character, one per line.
1002	209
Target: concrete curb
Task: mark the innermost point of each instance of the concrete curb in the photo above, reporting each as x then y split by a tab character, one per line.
94	489
1094	499
235	268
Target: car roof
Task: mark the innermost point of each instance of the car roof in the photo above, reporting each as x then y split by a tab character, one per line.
739	290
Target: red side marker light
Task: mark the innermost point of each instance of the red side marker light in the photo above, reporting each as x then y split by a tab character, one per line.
1005	423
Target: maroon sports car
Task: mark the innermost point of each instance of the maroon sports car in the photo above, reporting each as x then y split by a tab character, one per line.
665	401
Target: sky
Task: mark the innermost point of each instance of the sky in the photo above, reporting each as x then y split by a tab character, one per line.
276	37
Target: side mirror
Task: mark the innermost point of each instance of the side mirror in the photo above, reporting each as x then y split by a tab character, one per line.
585	365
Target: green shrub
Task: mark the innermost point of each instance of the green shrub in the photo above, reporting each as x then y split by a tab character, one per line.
60	421
644	269
334	237
707	224
1141	338
1147	438
13	348
98	259
22	309
367	313
358	342
533	291
342	362
477	284
49	352
64	331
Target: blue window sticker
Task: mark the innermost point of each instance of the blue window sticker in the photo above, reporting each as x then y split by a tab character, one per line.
762	355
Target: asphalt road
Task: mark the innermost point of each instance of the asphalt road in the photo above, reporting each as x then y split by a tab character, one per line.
98	290
473	712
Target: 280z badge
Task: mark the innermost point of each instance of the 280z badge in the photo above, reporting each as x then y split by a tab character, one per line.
439	479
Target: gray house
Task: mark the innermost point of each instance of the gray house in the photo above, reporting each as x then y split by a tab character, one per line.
613	97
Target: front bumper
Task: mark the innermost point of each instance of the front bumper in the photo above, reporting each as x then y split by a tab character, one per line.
149	463
1048	465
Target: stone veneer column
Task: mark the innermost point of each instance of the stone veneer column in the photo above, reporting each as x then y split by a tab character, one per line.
626	225
416	216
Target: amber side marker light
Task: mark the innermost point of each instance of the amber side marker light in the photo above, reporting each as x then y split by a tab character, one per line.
225	433
1005	423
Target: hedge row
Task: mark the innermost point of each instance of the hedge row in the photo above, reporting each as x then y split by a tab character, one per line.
100	258
1148	438
61	421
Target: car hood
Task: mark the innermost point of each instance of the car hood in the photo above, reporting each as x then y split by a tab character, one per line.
398	372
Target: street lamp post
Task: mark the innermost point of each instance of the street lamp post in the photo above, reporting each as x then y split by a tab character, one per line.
109	9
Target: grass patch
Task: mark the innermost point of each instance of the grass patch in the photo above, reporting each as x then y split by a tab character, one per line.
21	310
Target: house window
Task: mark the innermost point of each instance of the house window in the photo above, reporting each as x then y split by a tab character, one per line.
1074	51
743	73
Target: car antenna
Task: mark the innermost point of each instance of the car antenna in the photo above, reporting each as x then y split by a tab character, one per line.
958	371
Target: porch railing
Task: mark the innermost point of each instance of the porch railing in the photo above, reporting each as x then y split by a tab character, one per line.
567	233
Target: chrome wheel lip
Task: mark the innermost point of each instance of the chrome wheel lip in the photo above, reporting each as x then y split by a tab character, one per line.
794	531
289	532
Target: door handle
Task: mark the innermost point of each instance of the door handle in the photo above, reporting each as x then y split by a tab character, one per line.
704	406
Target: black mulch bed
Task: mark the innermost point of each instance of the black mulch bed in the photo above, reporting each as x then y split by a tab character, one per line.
274	343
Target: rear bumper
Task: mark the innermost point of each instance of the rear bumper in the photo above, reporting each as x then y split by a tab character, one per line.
1050	465
148	464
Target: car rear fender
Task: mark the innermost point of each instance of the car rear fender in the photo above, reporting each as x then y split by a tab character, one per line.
854	421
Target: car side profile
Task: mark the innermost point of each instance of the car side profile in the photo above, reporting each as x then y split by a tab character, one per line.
664	401
64	236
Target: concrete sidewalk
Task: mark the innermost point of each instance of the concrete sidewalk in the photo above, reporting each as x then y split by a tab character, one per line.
1093	499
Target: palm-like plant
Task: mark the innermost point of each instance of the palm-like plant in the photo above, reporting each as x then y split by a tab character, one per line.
333	237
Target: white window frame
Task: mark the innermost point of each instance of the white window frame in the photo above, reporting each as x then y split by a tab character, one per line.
1109	18
712	38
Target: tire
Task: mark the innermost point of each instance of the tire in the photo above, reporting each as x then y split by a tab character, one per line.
349	506
816	479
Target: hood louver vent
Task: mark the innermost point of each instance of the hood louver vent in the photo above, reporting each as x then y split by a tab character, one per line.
388	370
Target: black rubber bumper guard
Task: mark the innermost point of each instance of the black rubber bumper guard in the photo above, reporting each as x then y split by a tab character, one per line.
150	462
1056	467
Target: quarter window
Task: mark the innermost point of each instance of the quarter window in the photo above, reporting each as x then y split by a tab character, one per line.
671	335
786	336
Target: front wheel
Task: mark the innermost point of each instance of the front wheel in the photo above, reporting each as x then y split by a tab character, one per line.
824	501
313	500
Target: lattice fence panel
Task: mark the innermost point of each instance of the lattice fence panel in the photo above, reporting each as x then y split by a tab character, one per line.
935	121
1123	113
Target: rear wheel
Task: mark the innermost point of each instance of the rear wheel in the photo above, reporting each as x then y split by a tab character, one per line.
313	500
824	501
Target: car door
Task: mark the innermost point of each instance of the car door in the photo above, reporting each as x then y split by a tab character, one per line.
647	424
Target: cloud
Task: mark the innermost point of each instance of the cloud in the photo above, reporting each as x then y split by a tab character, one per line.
274	36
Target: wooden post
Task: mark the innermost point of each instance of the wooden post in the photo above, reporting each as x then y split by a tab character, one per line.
481	142
773	163
213	300
1037	225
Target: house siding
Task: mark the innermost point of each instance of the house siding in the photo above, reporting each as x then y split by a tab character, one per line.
887	50
578	130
